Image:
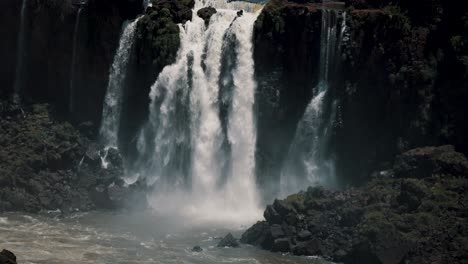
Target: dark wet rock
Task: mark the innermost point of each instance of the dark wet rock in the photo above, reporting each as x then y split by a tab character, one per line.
206	13
304	235
48	165
271	215
197	249
405	219
276	231
281	245
228	241
424	162
258	235
7	257
308	248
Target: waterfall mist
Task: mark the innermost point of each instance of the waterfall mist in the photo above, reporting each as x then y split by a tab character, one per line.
308	161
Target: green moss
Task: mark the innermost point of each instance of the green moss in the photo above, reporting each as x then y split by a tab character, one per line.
297	201
375	222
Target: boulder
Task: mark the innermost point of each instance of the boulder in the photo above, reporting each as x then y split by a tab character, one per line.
283	207
281	245
309	248
197	249
271	215
205	13
259	235
228	241
276	231
7	257
304	235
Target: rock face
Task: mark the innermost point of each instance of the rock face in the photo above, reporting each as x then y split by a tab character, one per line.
400	84
418	216
48	165
48	50
286	52
7	257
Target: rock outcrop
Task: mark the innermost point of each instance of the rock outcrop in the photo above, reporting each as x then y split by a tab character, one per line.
228	241
400	83
206	13
418	216
47	165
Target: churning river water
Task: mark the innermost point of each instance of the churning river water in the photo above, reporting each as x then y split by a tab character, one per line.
109	237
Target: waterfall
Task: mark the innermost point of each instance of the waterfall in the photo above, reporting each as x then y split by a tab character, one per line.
307	163
184	140
19	78
73	61
112	106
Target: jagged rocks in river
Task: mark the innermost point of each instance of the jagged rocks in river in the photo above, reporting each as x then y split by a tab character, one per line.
197	249
7	257
47	165
418	217
228	241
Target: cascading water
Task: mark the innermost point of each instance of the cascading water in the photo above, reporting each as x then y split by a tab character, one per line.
112	106
183	142
20	52
73	61
307	163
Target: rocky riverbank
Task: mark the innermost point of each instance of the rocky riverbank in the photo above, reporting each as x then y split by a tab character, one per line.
414	213
48	165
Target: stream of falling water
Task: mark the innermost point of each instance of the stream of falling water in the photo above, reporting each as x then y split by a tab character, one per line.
193	171
73	61
307	163
19	78
112	106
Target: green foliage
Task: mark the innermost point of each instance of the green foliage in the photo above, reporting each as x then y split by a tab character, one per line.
297	201
394	10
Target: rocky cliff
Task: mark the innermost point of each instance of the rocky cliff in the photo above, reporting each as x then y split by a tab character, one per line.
49	28
400	83
286	54
403	81
47	165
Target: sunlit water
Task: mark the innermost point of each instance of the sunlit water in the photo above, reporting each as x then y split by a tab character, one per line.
105	237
